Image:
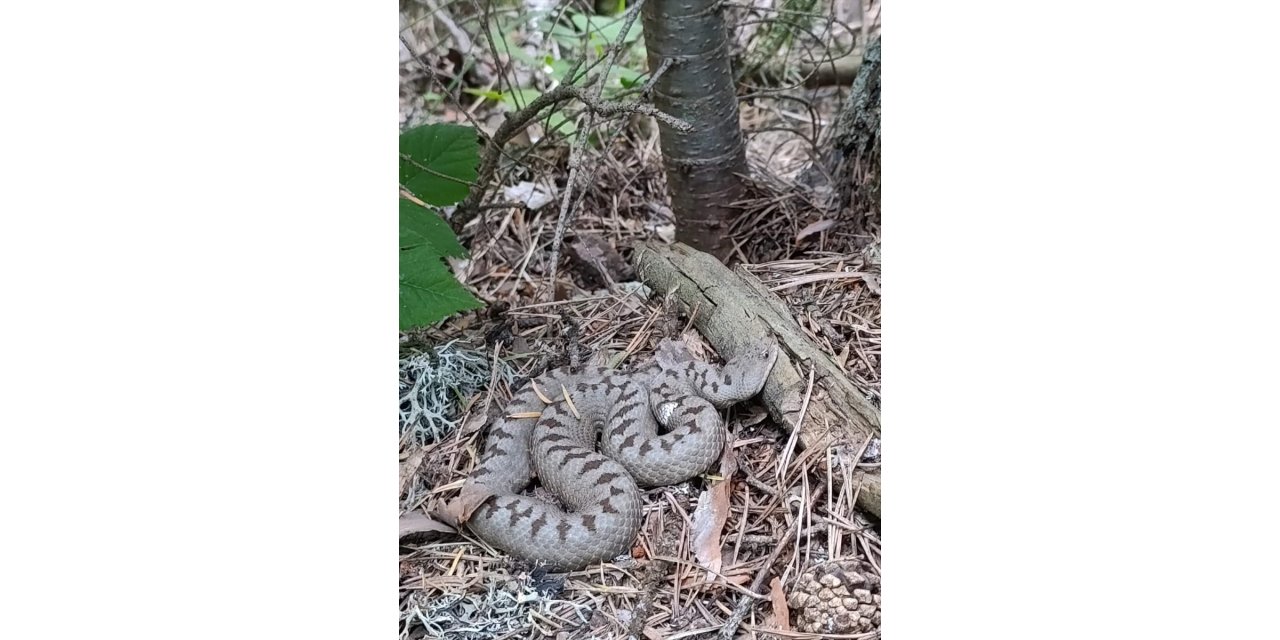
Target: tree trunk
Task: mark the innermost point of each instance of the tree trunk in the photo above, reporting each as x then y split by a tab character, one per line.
703	165
853	161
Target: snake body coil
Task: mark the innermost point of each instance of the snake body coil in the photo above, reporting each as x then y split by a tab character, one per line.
657	426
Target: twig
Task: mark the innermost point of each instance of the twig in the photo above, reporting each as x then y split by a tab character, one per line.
741	611
516	122
418	165
759	484
512	125
649	587
785	460
580	143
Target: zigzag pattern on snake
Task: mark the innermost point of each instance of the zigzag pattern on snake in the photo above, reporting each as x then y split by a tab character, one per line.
601	491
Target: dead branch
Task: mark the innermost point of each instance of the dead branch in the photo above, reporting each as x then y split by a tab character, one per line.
576	151
823	73
735	313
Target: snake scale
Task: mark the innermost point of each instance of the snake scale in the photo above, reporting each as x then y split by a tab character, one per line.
657	426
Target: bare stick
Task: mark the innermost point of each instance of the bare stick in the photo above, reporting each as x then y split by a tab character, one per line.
575	154
512	125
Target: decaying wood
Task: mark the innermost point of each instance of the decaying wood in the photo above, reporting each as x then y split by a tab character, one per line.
734	311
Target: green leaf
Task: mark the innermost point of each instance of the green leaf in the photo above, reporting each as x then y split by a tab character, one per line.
507	45
420	226
558	123
559	70
565	35
496	96
607	28
428	291
518	98
627	78
438	162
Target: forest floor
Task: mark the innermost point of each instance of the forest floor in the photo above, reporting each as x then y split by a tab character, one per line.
787	514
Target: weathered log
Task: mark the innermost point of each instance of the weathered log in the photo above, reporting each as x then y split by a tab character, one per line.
735	311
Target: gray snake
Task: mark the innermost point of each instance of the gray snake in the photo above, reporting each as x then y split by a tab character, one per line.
600	491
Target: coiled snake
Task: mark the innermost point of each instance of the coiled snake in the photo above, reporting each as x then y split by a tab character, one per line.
556	440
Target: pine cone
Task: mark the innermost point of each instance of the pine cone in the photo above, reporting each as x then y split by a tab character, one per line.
841	596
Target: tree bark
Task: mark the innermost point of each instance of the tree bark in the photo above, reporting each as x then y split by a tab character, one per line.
735	311
703	166
853	161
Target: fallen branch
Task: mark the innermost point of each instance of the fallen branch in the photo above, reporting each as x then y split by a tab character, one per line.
737	312
826	73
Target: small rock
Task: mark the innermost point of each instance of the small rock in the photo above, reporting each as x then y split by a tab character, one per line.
862	595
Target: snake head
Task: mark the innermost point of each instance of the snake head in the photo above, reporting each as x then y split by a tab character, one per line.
750	368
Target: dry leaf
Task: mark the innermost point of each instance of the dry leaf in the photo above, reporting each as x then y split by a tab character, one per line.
531	195
597	261
843	358
418	522
696	345
711	514
409	467
816	227
873	282
780	619
568	400
541	396
474	423
460	509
